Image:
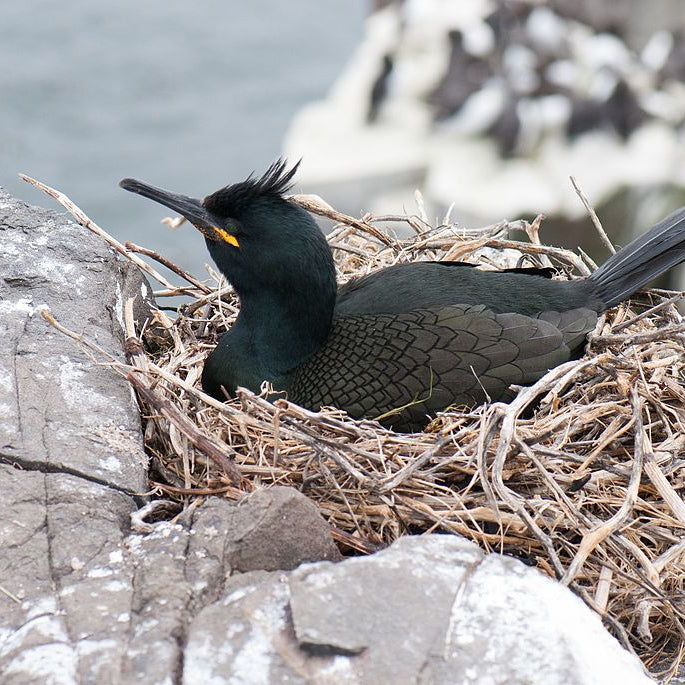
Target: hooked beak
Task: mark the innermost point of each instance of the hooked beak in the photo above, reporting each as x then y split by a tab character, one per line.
188	207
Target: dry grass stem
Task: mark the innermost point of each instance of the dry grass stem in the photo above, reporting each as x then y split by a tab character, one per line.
88	223
593	216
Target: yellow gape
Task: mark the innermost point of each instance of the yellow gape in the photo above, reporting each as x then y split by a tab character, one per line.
227	237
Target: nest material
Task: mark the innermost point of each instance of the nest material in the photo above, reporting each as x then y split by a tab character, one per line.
581	475
588	488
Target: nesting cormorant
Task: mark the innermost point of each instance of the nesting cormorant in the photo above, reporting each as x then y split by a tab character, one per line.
402	342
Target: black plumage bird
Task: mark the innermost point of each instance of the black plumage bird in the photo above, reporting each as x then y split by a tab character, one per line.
402	342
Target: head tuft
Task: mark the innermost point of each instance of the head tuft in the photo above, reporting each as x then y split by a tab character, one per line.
233	200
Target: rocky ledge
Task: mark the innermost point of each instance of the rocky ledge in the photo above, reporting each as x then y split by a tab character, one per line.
253	592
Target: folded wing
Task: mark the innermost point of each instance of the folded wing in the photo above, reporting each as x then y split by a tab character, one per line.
426	360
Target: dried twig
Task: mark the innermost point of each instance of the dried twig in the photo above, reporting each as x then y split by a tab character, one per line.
9	594
665	333
82	219
592	539
213	449
169	265
593	215
315	205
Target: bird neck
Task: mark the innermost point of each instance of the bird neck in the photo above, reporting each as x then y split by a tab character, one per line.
287	290
274	333
287	327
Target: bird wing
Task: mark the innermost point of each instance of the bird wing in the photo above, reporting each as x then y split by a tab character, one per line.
425	268
431	285
426	360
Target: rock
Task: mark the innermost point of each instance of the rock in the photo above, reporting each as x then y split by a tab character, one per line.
274	529
277	529
430	609
64	614
375	595
61	413
71	455
243	637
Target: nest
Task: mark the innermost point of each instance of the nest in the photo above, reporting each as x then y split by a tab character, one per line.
580	476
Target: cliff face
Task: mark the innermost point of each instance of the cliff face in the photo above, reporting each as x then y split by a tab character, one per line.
71	456
90	592
52	395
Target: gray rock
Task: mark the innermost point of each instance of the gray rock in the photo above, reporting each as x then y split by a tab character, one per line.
426	610
342	610
161	593
66	619
246	636
59	412
275	529
265	532
71	456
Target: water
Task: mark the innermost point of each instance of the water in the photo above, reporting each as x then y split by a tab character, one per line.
189	97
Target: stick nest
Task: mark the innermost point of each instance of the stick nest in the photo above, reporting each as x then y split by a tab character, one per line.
581	475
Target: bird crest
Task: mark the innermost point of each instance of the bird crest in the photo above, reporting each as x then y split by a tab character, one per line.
234	199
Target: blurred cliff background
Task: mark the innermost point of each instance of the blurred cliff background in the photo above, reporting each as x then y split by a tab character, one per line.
485	106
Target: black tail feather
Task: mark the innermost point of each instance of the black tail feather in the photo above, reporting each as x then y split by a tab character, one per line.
647	257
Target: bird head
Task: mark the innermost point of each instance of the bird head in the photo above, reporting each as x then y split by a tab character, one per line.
259	240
